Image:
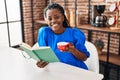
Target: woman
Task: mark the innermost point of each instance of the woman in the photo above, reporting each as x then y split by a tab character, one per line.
58	30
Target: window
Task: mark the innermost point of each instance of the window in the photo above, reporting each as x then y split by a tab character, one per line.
10	23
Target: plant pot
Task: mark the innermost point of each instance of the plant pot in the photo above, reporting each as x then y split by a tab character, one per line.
99	49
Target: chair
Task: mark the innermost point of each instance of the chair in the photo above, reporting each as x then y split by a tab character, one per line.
93	61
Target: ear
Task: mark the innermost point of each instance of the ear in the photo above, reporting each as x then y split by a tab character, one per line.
46	21
45	18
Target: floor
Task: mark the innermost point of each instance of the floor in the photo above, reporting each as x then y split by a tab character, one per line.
114	71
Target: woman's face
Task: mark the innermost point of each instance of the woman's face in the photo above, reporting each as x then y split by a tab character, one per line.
55	20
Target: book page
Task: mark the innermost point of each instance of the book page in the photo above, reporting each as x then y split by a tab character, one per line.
26	45
36	47
27	49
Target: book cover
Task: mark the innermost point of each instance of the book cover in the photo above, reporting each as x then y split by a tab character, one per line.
44	53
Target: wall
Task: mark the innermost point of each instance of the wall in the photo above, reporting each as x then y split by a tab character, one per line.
82	10
28	18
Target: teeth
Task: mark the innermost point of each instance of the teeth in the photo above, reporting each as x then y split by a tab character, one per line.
55	25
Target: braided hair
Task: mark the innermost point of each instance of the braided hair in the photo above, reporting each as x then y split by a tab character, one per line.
60	8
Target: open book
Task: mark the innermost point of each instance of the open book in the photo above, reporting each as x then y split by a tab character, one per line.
44	53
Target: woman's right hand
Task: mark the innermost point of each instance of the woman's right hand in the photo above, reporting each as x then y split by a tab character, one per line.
41	64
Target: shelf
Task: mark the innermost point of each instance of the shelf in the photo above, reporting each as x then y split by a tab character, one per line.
113	58
87	27
103	29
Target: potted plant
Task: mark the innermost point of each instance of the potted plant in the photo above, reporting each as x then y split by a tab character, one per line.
99	45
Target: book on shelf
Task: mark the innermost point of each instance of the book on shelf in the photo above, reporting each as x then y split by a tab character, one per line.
44	53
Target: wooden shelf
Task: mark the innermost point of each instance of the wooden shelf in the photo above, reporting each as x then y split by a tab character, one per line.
87	27
113	58
103	29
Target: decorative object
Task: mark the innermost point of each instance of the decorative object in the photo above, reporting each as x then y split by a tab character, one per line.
72	18
112	20
99	45
114	8
67	12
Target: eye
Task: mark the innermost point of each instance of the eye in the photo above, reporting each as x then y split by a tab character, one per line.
49	18
56	17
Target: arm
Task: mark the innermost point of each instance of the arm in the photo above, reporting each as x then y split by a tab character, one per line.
79	55
78	48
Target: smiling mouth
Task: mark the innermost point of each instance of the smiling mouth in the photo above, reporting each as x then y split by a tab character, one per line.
55	25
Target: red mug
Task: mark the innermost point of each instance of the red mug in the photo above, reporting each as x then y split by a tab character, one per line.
62	45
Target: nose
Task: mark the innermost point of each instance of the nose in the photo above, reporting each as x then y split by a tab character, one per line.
53	20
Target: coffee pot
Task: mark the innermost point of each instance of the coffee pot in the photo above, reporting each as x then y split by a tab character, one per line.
100	21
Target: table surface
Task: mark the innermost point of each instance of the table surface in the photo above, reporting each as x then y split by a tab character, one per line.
13	66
